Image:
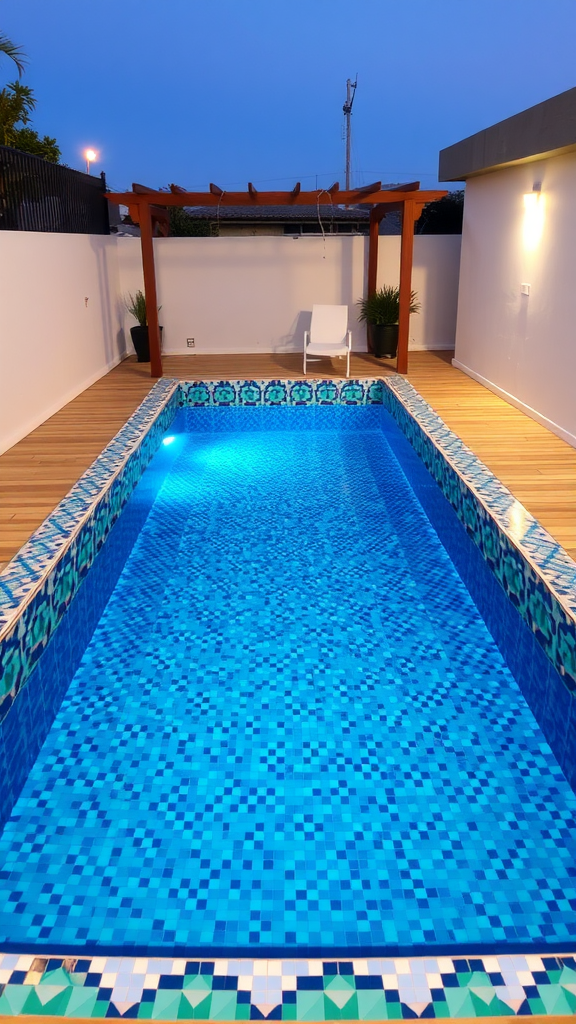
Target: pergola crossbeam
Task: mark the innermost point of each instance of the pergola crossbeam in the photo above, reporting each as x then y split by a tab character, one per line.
368	189
218	197
409	186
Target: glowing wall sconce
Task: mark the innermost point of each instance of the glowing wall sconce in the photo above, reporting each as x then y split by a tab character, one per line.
533	217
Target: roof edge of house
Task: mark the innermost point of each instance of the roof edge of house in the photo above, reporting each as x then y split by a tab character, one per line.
545	130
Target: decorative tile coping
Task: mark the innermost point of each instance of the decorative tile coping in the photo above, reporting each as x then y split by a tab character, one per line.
533	569
281	392
150	988
36	589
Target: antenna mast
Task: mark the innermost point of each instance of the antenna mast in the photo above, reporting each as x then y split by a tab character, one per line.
347	108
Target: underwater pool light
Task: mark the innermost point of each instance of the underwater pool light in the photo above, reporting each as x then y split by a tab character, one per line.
168	440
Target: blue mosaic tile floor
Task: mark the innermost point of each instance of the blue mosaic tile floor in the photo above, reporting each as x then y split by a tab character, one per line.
291	730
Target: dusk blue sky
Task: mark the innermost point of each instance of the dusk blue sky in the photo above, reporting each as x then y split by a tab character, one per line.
193	91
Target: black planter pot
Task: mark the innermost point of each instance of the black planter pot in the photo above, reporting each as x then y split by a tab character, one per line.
384	340
139	337
140	341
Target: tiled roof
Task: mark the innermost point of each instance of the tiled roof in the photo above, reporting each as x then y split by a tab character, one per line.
278	213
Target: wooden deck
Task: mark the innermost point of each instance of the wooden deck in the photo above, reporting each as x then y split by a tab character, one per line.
538	467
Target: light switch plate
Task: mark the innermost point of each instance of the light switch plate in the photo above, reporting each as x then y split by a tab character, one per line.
524	289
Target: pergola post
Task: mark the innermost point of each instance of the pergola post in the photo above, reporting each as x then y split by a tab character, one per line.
406	256
375	218
148	267
373	256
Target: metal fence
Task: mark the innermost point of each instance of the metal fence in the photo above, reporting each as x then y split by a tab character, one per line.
39	196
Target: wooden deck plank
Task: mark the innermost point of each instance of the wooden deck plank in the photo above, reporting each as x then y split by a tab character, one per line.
538	467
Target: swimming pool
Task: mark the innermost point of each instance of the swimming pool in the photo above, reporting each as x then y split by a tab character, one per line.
291	733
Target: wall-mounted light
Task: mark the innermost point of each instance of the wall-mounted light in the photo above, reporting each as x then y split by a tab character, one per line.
533	217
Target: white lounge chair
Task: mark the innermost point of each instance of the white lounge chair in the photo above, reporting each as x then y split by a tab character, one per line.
328	334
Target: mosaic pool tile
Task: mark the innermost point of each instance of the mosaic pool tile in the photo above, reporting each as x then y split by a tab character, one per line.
128	452
399	989
551	618
500	534
280	392
290	757
62	550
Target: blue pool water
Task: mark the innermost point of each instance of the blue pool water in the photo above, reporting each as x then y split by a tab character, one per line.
291	728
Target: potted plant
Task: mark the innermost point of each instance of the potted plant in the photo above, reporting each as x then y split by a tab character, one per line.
136	305
380	311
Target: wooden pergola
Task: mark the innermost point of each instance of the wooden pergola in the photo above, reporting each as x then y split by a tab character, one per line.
149	208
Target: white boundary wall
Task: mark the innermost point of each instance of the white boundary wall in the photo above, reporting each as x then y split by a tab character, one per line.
241	294
256	294
522	347
54	343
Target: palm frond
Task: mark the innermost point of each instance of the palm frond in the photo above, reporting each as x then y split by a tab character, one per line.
13	51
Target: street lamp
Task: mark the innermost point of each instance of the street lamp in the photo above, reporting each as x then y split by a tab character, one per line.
90	155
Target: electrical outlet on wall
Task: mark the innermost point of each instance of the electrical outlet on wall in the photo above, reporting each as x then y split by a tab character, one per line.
190	343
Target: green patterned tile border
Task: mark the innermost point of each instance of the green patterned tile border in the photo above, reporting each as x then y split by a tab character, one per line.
150	988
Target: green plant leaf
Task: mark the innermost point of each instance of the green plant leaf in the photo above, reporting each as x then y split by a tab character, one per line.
383	306
136	305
